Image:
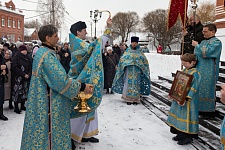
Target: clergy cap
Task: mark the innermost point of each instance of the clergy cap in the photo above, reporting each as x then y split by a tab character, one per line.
78	26
134	39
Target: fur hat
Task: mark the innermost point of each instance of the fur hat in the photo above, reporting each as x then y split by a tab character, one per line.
77	27
23	47
109	48
134	39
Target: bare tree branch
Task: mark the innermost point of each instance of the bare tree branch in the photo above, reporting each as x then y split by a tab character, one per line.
155	23
125	23
59	10
206	11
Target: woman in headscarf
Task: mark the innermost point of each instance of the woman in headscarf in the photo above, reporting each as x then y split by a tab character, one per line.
8	62
21	67
112	60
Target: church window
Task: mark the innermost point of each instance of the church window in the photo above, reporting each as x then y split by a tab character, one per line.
3	21
14	24
18	24
9	22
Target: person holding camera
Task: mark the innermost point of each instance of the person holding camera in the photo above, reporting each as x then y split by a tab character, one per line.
188	33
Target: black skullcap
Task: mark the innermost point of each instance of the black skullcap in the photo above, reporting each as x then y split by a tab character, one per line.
134	39
78	26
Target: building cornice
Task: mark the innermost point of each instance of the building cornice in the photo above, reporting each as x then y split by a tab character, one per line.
18	12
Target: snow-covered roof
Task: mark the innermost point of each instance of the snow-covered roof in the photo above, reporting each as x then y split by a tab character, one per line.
28	31
19	12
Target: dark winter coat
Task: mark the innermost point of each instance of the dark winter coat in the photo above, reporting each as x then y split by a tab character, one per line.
7	85
188	48
14	50
2	62
21	65
65	61
116	49
112	61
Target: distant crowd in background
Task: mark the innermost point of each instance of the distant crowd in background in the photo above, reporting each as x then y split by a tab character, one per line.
16	69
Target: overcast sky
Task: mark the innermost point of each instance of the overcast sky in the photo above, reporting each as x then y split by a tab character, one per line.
80	10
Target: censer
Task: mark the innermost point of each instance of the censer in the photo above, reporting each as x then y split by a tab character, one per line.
82	105
105	11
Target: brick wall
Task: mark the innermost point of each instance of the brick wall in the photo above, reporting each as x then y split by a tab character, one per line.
12	32
220	14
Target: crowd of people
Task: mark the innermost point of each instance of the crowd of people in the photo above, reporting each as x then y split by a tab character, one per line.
48	77
16	68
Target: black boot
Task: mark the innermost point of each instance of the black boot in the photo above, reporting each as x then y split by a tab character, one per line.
129	103
10	104
91	139
107	91
73	145
185	141
177	138
135	103
16	109
23	106
2	117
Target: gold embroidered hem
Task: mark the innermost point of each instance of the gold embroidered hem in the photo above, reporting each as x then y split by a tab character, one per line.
85	135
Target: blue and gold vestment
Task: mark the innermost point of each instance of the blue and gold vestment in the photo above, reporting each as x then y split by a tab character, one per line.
138	82
185	118
208	57
86	66
39	131
222	135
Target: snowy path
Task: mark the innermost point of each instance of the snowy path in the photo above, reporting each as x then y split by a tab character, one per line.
122	127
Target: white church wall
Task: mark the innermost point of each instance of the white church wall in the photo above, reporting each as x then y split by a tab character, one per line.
220	34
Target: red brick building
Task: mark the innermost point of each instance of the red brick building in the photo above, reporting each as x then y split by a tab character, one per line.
11	22
220	14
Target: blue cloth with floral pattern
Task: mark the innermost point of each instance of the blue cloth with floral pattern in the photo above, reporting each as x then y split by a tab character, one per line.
208	56
86	66
136	62
47	118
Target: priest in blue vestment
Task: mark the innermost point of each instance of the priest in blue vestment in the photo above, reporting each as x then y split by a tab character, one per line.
86	65
208	55
51	92
132	77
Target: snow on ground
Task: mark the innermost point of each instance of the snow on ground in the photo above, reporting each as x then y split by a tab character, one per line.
121	127
124	127
163	65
